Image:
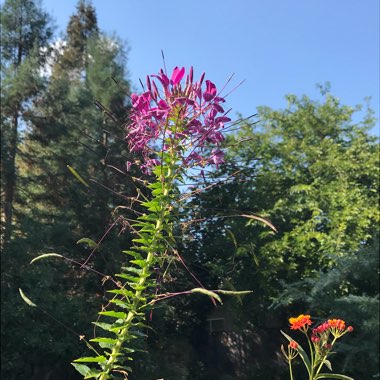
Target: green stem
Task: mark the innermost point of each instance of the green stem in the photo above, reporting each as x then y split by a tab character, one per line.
324	357
137	299
312	358
290	370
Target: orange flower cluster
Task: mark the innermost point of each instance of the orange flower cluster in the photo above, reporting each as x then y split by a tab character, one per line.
293	344
337	323
300	323
338	327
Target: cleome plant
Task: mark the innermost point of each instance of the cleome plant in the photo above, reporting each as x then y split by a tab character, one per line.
176	127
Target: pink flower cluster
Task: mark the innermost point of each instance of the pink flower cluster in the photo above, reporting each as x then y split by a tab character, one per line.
319	331
336	326
185	118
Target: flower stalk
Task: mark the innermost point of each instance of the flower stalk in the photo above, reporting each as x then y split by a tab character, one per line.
139	299
173	131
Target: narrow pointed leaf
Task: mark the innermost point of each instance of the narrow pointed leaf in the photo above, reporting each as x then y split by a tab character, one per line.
140	263
97	359
85	371
104	326
77	176
114	314
123	292
301	351
232	237
134	254
128	277
89	242
333	376
120	303
328	364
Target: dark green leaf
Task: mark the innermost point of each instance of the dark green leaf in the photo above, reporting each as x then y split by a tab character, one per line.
114	314
97	359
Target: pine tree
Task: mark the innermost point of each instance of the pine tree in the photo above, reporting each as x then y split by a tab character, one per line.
25	31
81	28
53	209
69	130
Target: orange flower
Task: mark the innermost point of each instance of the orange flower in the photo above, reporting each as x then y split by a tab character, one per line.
339	324
293	345
300	323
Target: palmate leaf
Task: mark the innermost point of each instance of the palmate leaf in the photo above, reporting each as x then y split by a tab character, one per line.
302	353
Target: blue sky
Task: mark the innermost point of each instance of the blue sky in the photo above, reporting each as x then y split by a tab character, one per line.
276	46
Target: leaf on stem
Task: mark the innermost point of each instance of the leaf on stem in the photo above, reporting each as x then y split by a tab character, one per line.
302	353
97	359
328	364
333	376
85	371
114	314
77	176
46	255
89	242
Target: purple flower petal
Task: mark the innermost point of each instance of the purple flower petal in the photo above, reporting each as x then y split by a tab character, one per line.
177	75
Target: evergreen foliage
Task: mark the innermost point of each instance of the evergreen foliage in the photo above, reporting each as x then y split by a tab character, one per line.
52	210
25	30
